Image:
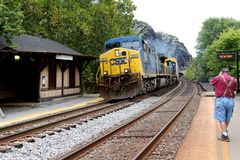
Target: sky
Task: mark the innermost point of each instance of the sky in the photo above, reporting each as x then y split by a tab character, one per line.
184	18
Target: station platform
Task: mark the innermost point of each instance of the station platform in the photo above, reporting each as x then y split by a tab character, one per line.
201	142
22	112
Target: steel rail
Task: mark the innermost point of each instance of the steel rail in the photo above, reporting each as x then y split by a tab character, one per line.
33	130
16	135
47	116
80	151
147	150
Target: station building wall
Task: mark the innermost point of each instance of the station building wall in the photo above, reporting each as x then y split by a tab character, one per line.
69	89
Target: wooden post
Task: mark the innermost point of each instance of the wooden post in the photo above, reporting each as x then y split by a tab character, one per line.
81	82
63	66
81	64
79	67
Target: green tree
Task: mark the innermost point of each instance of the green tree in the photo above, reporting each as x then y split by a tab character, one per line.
11	19
81	24
110	19
211	30
229	40
191	72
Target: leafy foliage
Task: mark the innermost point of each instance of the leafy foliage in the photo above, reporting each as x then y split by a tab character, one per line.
211	30
83	25
229	40
11	19
190	73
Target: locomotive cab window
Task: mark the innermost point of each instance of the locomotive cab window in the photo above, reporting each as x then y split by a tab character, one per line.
131	45
112	45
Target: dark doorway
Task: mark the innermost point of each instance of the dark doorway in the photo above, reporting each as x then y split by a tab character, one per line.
19	79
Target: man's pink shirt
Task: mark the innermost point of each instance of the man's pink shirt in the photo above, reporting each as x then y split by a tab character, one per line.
220	85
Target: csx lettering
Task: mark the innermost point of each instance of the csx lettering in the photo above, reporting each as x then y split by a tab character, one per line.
118	61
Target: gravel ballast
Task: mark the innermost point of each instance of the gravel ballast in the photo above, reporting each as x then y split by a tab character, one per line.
60	143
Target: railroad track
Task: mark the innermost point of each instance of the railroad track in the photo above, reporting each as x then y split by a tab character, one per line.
16	136
149	148
61	120
19	130
127	140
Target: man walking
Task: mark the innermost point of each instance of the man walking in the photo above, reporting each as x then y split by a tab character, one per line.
225	86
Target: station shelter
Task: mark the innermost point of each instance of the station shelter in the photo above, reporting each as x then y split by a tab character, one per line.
38	69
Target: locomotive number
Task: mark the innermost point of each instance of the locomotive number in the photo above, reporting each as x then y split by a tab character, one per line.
118	61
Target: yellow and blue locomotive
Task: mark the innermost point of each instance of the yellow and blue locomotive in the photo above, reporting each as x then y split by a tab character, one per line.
129	66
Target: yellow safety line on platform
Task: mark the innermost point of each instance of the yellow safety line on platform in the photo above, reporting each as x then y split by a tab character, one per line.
225	151
36	115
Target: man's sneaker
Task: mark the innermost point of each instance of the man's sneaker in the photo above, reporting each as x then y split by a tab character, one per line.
224	138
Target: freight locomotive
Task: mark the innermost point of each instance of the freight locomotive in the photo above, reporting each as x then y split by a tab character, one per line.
130	66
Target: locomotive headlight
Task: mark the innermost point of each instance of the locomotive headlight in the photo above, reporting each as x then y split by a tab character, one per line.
117	53
126	70
105	72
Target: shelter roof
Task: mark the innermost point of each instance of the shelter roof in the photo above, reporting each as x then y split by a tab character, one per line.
33	44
